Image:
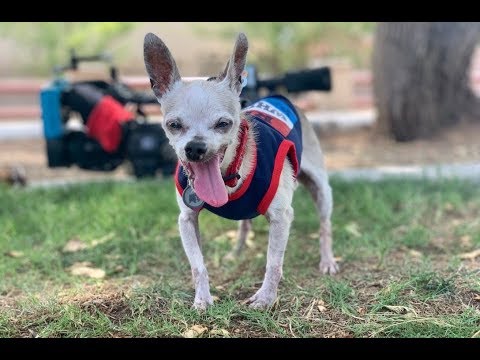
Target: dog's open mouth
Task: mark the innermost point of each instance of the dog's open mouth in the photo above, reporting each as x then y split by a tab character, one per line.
207	180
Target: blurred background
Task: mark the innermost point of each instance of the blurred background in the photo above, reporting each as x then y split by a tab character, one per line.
403	93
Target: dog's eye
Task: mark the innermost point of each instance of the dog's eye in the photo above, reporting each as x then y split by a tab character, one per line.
175	125
223	124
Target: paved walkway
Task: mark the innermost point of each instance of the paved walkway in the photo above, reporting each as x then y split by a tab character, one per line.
321	120
466	171
24	129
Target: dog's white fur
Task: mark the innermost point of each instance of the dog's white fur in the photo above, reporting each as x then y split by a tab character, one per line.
198	106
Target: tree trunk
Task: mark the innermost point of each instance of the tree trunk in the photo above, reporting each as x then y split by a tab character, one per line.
421	76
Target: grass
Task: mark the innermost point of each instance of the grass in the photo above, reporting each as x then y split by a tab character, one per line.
400	244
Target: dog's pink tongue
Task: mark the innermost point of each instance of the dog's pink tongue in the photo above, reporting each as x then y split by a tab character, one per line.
208	183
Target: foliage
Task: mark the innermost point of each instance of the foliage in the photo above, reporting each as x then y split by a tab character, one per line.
287	45
49	42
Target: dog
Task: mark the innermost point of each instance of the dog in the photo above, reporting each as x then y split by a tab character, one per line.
221	149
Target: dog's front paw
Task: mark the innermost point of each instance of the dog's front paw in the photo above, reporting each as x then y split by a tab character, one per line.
329	266
202	302
262	299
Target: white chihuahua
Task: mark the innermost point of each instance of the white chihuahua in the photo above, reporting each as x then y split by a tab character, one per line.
238	164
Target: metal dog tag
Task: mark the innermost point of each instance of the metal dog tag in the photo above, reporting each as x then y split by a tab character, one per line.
191	199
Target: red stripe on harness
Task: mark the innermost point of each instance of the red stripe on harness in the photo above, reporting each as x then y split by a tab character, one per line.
286	148
246	183
177	183
234	166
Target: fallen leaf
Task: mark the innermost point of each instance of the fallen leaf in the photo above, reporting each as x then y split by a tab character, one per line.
320	305
229	257
448	206
415	253
229	235
194	331
455	222
352	229
84	269
249	243
82	263
398	309
476	297
470	255
101	240
119	268
215	298
33	333
401	230
438	241
466	240
361	311
14	253
74	245
310	309
220	332
321	308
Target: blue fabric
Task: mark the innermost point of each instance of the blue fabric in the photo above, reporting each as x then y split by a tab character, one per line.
50	100
263	116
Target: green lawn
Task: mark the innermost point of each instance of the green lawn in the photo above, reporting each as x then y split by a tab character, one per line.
400	243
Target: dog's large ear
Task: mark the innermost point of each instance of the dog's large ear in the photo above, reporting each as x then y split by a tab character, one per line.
161	67
236	64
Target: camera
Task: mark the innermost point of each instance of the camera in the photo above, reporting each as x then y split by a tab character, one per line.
110	135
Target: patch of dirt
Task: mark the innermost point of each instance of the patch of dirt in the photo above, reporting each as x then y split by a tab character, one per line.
367	148
110	299
9	299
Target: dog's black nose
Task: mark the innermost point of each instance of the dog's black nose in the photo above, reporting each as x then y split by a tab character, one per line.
195	150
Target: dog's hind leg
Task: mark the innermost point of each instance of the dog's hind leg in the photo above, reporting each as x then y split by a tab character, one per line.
244	227
280	217
316	182
315	178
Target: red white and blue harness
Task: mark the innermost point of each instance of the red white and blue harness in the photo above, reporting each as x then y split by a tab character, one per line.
278	134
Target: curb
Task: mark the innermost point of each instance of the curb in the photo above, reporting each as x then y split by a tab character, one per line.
321	121
464	171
